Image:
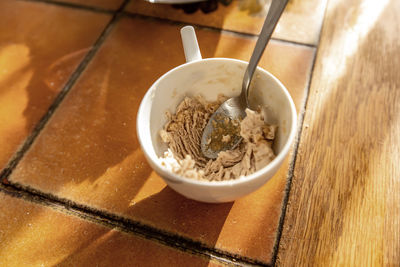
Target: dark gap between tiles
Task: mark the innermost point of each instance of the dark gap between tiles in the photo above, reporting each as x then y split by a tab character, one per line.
5	173
214	29
73	5
292	163
129	226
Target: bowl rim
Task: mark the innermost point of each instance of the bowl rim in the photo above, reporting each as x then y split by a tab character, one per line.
155	162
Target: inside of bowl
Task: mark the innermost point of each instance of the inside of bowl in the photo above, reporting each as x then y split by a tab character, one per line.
209	79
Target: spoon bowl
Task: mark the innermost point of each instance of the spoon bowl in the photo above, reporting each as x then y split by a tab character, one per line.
224	122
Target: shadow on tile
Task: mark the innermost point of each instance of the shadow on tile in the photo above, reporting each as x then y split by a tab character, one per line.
37	235
166	206
89	152
119	249
172	211
28	46
93	131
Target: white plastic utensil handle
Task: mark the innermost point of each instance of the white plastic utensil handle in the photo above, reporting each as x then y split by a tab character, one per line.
190	45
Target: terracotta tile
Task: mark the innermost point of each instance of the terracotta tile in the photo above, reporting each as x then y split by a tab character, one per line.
106	4
301	22
89	152
31	236
36	59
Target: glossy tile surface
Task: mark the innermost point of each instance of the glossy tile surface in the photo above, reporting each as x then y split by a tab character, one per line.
301	22
36	60
35	235
105	4
89	151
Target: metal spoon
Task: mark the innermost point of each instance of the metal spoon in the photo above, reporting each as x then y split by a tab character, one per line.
222	131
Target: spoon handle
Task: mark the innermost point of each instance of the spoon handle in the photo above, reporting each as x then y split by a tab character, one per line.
274	13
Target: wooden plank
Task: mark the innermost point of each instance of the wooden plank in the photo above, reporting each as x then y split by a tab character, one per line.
344	204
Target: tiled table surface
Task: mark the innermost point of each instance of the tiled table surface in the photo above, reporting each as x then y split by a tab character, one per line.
76	188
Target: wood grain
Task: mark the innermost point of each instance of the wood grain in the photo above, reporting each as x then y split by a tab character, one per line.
344	204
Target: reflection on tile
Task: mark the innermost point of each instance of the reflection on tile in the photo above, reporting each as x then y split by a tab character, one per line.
89	151
31	236
36	59
106	4
301	21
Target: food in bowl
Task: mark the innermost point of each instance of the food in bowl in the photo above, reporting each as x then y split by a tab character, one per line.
183	132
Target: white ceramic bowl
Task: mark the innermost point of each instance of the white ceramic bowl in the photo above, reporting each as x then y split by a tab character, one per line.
210	77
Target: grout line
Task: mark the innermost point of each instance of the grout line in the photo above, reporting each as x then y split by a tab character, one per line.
5	173
290	174
211	28
73	5
296	148
126	225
